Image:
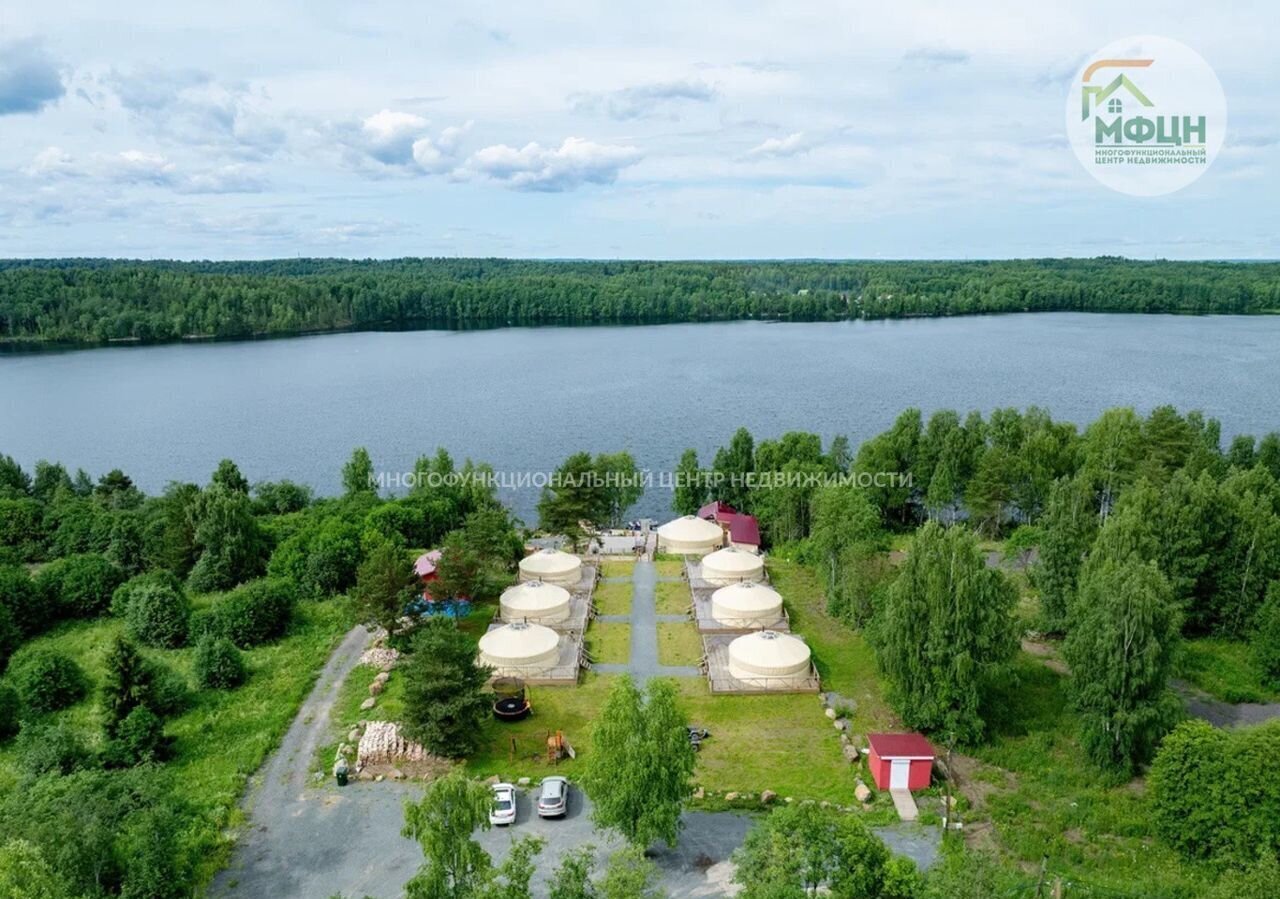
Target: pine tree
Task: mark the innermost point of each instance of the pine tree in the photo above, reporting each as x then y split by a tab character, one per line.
446	701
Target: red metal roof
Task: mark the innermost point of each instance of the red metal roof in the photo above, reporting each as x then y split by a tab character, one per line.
744	529
425	566
900	746
717	511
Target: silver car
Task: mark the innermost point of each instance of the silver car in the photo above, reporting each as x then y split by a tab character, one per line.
553	797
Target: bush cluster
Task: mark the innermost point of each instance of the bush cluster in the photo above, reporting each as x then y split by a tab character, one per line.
47	680
250	615
217	665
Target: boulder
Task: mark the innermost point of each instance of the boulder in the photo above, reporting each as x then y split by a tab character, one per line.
368	704
378	779
375	688
493	779
353	735
524	782
383	677
831	713
364	775
700	793
862	792
729	797
767	796
851	752
396	774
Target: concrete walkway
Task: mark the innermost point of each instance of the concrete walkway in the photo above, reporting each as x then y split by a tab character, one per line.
905	803
644	627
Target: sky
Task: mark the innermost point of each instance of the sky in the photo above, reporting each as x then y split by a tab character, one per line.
603	130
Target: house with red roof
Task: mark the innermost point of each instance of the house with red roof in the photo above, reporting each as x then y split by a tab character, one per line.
900	761
741	530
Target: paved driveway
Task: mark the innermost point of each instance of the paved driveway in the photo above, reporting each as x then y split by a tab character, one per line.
348	841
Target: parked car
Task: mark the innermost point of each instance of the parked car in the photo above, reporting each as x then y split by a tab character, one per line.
504	805
553	797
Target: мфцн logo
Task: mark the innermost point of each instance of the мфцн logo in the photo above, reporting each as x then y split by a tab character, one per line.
1146	116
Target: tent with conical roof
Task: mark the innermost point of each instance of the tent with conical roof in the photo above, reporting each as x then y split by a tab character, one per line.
768	654
520	649
689	535
731	565
551	566
535	601
746	604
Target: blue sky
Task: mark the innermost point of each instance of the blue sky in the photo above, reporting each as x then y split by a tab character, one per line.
602	129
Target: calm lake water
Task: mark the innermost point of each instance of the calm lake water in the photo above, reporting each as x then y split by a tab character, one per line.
523	399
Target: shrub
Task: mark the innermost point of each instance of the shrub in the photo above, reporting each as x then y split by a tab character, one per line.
254	613
218	665
80	585
47	680
125	593
1213	793
158	615
9	712
19	594
50	749
139	738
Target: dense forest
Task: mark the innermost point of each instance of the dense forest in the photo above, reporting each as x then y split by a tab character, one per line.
88	301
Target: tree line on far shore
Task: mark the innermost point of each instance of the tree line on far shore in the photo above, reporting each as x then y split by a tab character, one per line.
90	301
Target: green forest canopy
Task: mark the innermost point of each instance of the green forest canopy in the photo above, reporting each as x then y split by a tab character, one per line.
82	301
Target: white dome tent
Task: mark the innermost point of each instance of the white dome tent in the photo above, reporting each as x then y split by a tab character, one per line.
746	604
535	601
689	535
520	649
768	654
551	566
731	565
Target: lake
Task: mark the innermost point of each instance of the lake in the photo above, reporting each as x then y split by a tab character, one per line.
524	398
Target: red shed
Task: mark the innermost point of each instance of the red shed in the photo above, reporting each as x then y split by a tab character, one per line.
901	761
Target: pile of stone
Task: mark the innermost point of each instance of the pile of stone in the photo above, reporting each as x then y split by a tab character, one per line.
381	657
381	744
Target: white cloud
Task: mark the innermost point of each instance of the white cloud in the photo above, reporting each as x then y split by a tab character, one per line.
439	154
642	100
781	147
52	161
534	167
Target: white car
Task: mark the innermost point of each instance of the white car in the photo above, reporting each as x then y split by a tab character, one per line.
504	805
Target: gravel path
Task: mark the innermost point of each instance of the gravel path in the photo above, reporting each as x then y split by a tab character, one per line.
277	790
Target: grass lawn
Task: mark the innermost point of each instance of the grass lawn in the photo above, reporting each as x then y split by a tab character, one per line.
673	598
844	659
519	750
782	743
669	567
679	643
609	642
1225	670
223	737
613	599
617	568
